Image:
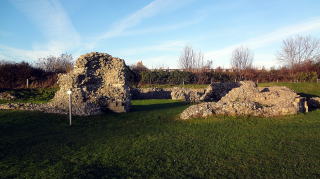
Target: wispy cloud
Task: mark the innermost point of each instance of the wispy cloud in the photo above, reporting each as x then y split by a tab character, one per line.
267	39
167	46
53	22
50	17
152	9
163	28
121	28
21	54
164	61
61	36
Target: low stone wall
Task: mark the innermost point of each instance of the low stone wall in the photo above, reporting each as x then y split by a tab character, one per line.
151	93
33	107
6	96
187	94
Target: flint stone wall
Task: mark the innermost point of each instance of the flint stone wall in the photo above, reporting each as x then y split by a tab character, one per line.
187	94
249	100
6	96
98	83
151	93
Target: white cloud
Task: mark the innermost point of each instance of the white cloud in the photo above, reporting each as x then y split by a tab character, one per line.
267	39
265	60
163	28
50	17
167	46
165	61
121	27
53	22
152	9
9	53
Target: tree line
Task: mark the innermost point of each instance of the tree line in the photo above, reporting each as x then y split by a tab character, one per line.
299	55
42	74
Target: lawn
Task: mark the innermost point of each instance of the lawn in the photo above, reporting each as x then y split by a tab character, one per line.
150	142
40	95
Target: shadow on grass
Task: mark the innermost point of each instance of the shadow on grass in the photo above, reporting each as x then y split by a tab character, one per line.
152	107
97	170
307	95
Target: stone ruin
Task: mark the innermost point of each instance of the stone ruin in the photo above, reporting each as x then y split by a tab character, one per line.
233	99
98	83
150	93
6	96
246	99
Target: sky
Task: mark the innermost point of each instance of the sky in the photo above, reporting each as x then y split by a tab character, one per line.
154	32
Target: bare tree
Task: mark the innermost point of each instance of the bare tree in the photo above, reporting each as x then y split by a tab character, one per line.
60	64
298	49
191	60
241	58
187	58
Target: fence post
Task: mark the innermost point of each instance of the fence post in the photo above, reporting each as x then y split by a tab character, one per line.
27	82
69	92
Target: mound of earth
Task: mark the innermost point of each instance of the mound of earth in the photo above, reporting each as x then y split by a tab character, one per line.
246	99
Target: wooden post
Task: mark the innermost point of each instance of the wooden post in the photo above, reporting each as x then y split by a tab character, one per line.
27	82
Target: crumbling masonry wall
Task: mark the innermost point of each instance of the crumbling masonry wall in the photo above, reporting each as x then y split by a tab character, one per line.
98	82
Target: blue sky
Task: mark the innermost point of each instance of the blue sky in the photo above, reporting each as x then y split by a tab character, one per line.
153	31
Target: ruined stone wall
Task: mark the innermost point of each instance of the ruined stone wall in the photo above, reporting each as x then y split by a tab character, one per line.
98	83
151	93
249	100
187	94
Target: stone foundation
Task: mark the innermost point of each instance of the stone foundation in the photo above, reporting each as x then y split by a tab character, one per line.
249	100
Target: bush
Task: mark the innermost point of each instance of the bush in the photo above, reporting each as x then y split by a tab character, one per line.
307	76
15	75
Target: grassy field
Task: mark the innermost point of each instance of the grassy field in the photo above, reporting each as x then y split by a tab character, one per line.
150	142
40	95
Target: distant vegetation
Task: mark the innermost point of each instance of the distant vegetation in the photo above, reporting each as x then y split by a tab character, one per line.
42	74
299	55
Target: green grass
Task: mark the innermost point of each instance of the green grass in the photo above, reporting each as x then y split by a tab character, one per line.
150	142
304	88
41	95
